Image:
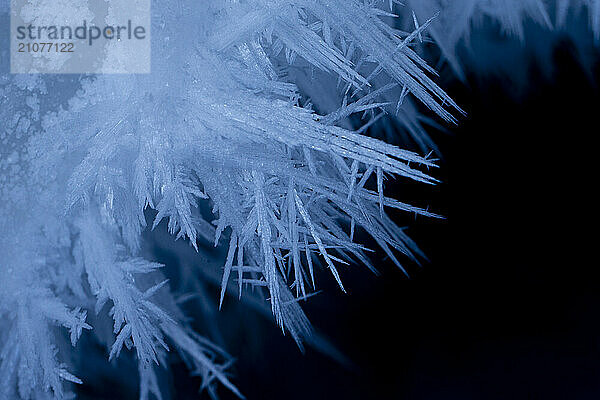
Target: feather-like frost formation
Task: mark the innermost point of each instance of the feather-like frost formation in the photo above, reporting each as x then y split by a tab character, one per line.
219	121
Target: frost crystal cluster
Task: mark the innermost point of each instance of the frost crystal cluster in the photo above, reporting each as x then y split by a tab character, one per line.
250	131
221	122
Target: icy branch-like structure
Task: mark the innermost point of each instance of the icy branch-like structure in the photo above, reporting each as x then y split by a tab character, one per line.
458	19
592	8
219	121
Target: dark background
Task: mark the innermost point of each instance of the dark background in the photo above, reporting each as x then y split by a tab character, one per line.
506	308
